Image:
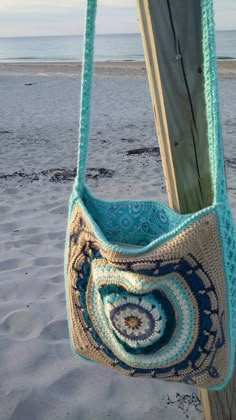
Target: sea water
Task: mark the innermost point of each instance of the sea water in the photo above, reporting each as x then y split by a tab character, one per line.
117	47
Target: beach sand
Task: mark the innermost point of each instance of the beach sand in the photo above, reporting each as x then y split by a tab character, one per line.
226	68
41	378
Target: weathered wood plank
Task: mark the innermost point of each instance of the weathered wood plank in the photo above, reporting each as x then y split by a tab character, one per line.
158	102
222	404
172	39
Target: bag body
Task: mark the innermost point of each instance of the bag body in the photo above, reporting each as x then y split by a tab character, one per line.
151	292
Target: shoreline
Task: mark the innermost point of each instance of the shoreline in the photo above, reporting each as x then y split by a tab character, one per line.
226	68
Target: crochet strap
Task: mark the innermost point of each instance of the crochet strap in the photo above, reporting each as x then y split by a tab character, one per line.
212	102
211	96
86	89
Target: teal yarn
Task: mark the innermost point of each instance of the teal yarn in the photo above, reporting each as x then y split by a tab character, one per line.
225	220
212	102
121	221
163	355
87	76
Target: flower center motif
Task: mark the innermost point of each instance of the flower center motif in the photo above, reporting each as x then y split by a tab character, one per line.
133	322
136	321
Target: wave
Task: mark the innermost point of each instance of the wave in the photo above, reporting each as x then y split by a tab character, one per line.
20	58
68	59
225	57
42	59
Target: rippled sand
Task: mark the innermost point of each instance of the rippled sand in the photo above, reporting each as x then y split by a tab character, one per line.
41	378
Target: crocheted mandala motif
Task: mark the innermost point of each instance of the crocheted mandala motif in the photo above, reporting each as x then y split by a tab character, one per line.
136	321
158	314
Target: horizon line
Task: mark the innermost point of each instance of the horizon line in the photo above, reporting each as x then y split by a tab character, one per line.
98	34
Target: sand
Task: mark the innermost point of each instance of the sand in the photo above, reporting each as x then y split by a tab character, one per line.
41	378
226	68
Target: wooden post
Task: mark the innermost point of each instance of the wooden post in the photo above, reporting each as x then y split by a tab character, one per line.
171	33
172	39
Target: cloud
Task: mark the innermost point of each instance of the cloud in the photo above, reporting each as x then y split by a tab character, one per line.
225	14
16	5
8	5
55	17
118	3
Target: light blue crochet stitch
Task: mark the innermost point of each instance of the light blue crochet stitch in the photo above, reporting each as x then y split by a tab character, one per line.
123	220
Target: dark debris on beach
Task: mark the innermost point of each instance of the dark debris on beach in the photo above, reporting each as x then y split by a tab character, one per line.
184	402
230	163
58	175
154	151
62	175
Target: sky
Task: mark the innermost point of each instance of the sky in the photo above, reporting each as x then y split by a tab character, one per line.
65	17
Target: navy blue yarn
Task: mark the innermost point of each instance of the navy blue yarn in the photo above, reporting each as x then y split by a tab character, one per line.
194	283
167	308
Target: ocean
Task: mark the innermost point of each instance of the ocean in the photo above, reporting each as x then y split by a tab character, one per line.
117	47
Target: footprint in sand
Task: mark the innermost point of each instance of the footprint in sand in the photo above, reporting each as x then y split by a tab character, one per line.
12	264
31	240
61	296
56	331
47	261
68	386
11	191
59	279
60	245
4	209
31	231
8	292
7	227
23	325
57	235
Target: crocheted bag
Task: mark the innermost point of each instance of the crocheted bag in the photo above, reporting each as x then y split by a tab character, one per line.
167	308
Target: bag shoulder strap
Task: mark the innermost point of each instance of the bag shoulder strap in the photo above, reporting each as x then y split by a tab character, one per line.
86	89
211	96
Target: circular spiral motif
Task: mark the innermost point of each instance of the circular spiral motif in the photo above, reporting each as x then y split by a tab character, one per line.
156	313
135	321
148	330
164	328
